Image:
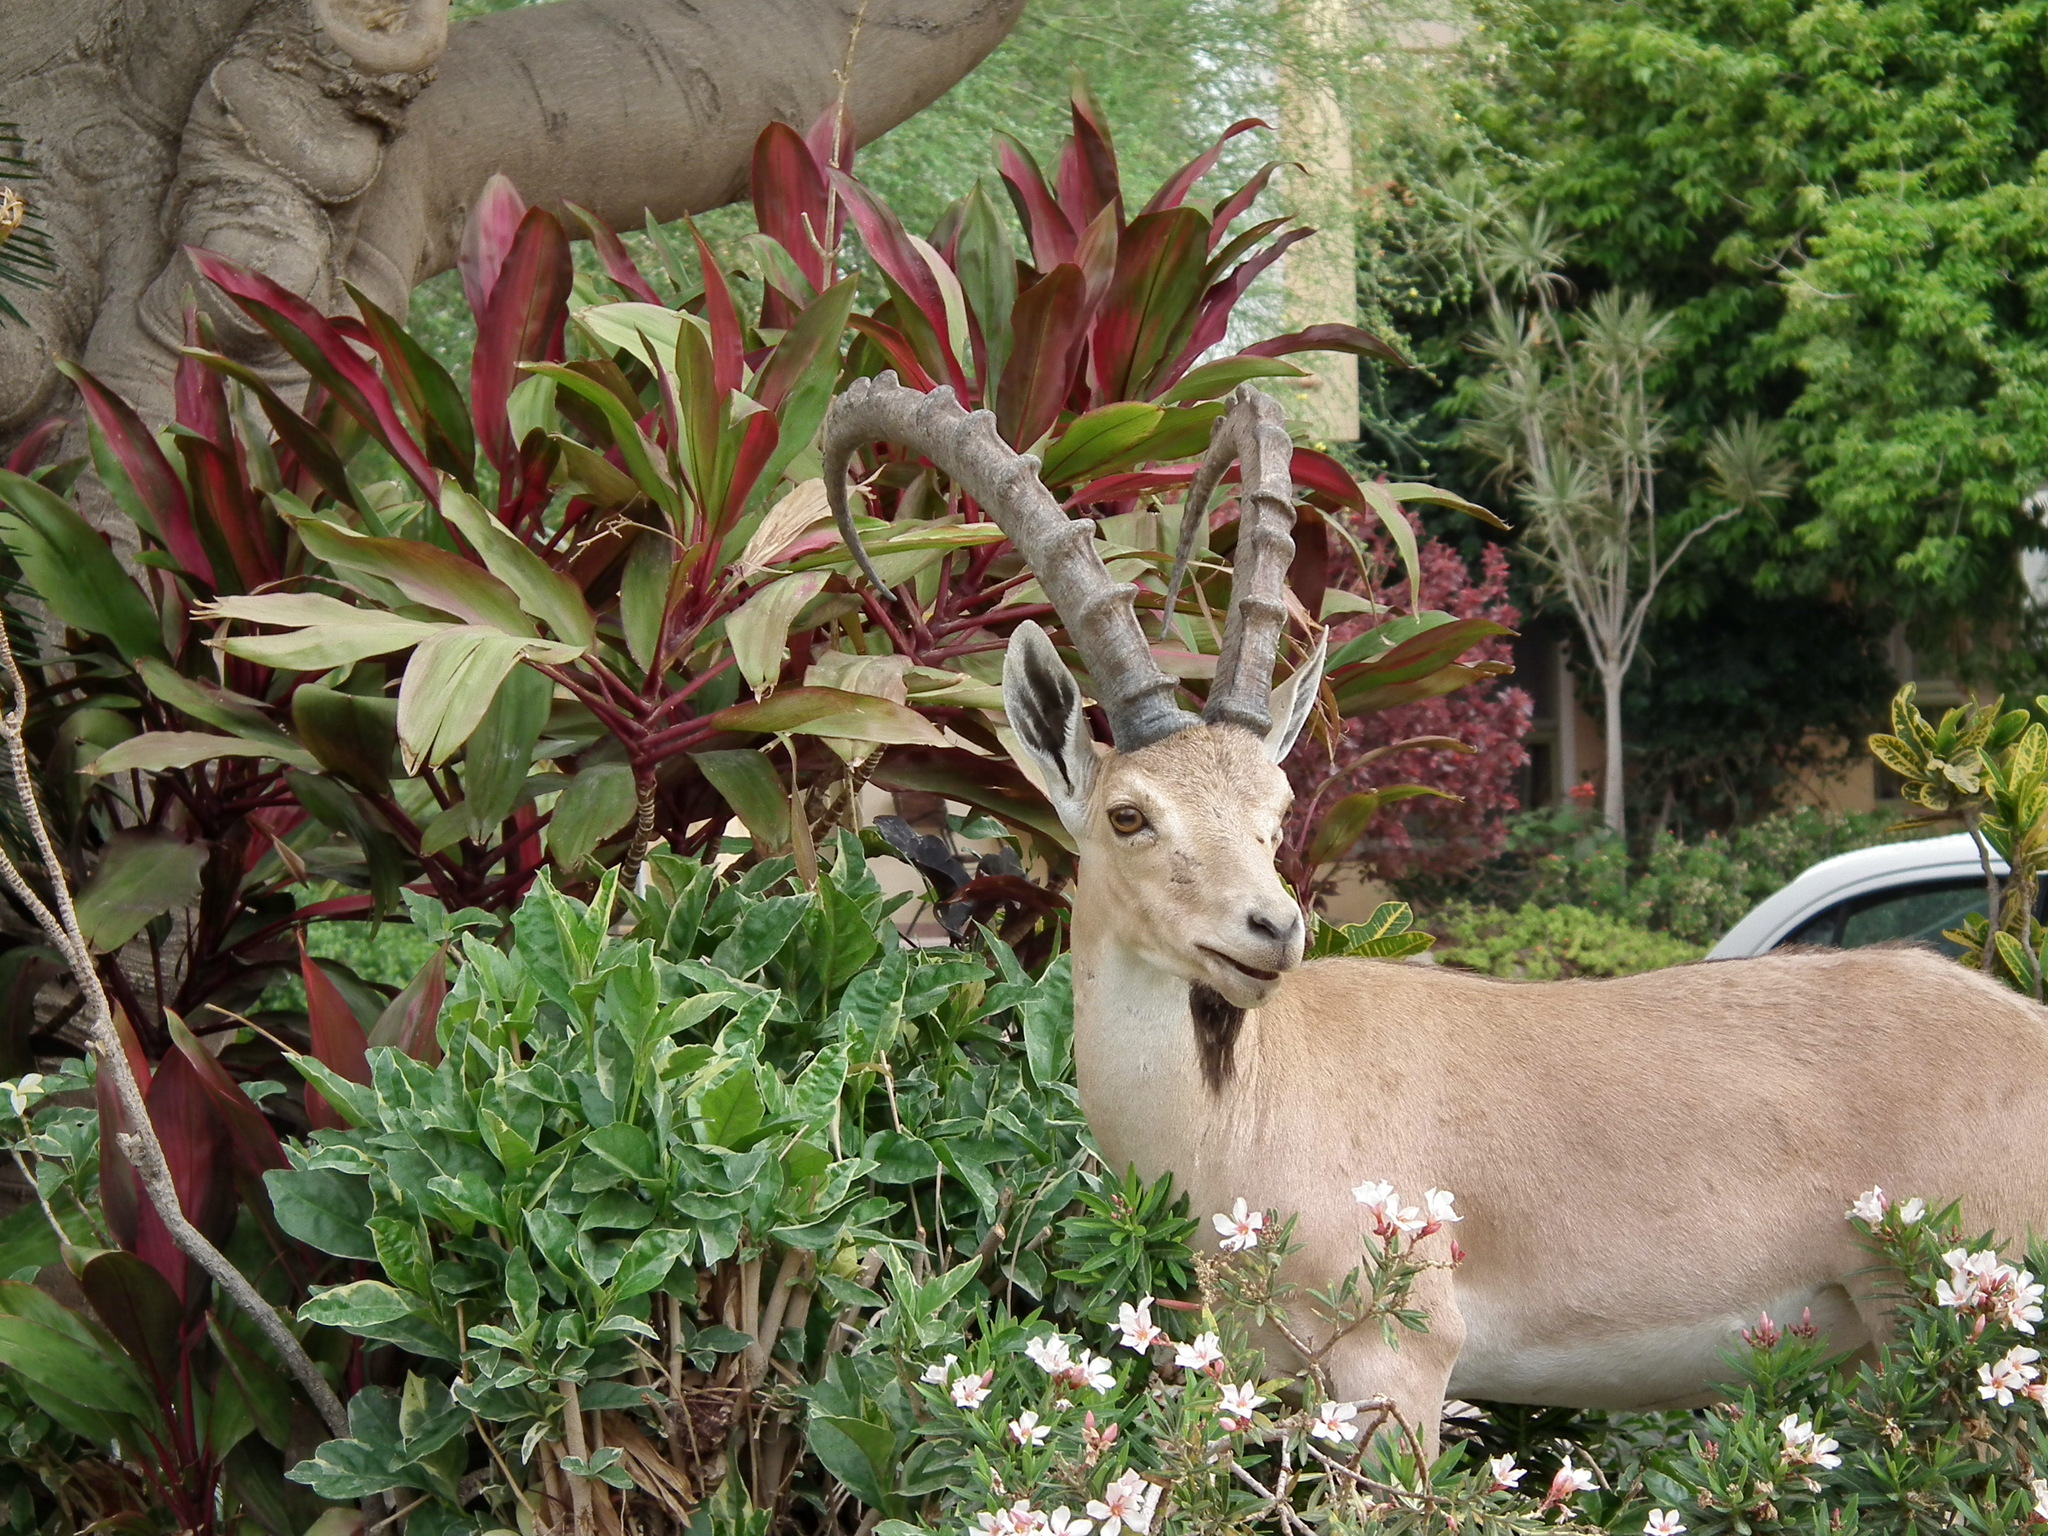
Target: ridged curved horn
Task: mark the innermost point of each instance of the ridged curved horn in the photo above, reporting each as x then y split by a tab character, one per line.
1254	433
1097	610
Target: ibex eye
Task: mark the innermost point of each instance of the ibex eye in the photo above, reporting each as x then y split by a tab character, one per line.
1127	819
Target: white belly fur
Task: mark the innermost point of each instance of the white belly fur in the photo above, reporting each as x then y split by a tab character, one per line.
1673	1366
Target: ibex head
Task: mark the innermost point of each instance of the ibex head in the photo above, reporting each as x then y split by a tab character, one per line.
1178	822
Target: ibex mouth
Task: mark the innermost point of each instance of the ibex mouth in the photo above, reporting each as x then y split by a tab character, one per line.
1238	965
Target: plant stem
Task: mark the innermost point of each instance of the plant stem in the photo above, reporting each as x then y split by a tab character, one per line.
140	1142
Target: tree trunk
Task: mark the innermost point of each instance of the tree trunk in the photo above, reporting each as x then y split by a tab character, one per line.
1611	804
332	141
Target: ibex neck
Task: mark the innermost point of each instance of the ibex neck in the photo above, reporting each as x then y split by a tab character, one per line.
1137	1059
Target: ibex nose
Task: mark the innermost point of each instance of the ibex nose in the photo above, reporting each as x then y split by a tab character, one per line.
1275	927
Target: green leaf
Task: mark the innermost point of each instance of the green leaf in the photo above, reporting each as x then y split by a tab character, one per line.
353	735
500	749
216	706
1388	510
155	751
541	590
325	1208
900	1158
648	1262
55	1348
140	876
425	573
1345	822
598	801
72	568
831	712
330	633
860	1454
758	630
449	683
1212	381
1101	437
730	1110
748	783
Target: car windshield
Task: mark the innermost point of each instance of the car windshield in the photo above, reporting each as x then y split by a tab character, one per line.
1913	913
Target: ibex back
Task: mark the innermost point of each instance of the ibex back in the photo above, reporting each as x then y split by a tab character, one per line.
1644	1165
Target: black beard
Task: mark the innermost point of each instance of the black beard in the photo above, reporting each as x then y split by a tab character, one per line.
1217	1021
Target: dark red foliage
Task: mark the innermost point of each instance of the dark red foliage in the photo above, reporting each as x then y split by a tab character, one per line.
1491	716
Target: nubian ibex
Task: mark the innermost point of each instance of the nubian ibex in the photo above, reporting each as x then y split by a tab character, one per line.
1644	1165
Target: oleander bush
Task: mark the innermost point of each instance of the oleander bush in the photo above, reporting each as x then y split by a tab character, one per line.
1548	943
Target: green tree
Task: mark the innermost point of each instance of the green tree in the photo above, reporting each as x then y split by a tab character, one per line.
1840	204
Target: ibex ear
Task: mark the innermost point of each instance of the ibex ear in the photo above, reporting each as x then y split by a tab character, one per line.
1043	703
1292	701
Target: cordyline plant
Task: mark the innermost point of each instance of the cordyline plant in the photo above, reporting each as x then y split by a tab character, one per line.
394	635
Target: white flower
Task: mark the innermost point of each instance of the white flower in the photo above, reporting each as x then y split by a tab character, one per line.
1869	1206
1505	1473
1198	1355
1092	1372
1060	1523
1129	1501
1665	1522
972	1391
1912	1210
1436	1205
994	1522
1333	1423
1024	1519
2038	1487
1049	1354
2018	1303
1388	1214
939	1375
1138	1330
1565	1482
2008	1376
1236	1408
1980	1282
24	1091
1804	1448
1239	1229
1026	1430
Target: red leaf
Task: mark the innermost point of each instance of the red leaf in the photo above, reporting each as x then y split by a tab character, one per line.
787	184
196	1147
757	445
242	542
1228	210
890	246
618	262
1220	300
255	1143
1308	576
522	323
831	138
319	347
1053	234
30	448
894	347
408	1021
1150	307
1136	483
156	484
1087	176
1329	337
120	1187
1049	326
1181	182
487	240
728	355
1322	474
338	1042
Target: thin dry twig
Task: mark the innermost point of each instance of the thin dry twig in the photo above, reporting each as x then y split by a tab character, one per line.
59	920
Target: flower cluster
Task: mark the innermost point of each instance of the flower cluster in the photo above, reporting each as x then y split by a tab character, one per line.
1803	1447
2012	1375
1020	1519
1389	1216
1084	1372
1871	1205
1984	1285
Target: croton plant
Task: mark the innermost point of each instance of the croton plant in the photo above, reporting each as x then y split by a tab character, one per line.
399	631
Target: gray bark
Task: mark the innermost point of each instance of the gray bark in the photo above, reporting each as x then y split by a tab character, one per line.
324	141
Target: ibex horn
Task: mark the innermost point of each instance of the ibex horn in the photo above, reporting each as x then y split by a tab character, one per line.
1253	432
1098	611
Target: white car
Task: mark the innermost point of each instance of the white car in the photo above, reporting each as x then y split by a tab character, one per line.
1900	891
